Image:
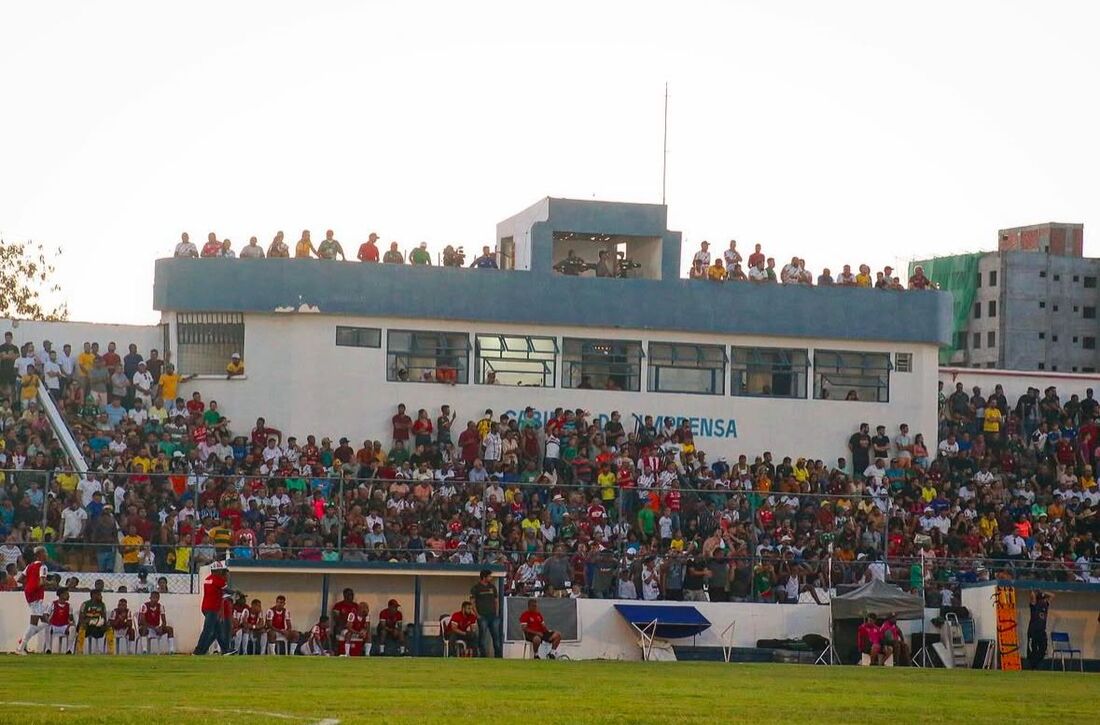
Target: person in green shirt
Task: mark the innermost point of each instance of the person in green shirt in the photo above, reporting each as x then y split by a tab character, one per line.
296	483
399	454
420	255
647	521
329	248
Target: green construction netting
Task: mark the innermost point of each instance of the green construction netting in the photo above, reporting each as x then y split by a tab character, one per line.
959	276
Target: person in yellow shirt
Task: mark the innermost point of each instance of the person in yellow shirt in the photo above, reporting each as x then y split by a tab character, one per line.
85	360
304	248
235	368
66	480
927	492
676	543
987	525
991	426
717	271
606	479
131	549
863	279
170	382
30	385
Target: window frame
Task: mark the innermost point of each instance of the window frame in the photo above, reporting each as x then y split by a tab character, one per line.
742	368
358	335
822	365
460	353
581	353
679	359
549	365
205	341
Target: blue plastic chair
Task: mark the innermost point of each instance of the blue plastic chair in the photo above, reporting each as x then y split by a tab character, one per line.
1063	649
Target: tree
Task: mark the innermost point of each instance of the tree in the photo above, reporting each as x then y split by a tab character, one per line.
25	272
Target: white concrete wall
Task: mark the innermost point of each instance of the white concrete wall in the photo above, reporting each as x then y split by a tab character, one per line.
77	333
1016	382
301	382
606	635
182	611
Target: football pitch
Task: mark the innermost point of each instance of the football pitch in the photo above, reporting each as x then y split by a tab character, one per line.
327	691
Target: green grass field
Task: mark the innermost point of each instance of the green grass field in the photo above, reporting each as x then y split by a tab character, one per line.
44	689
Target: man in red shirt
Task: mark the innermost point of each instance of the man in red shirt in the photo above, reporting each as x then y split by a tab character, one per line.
535	630
318	641
213	590
355	637
462	627
893	639
34	591
368	250
153	625
341	611
122	622
60	617
280	627
391	627
869	640
402	424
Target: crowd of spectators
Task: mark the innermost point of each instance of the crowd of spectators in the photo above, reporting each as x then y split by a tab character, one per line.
728	267
330	249
571	506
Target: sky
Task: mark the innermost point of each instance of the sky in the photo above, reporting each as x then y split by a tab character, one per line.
841	132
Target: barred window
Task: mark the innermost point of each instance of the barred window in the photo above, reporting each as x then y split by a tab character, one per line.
207	340
850	375
417	356
676	367
769	371
515	360
601	364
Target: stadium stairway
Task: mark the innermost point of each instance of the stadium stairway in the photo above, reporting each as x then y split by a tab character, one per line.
61	430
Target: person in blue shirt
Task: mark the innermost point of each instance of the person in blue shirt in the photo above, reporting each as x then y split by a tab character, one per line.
115	412
487	260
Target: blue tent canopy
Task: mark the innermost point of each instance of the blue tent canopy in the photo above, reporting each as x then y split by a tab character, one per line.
672	622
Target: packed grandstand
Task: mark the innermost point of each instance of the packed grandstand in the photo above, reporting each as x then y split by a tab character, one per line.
569	507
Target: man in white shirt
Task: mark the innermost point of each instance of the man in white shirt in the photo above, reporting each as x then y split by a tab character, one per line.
185	248
703	255
949	448
51	371
790	274
143	384
88	487
73	519
757	273
1014	545
26	361
731	255
875	472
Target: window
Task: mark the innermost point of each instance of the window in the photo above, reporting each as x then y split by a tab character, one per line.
1054	338
1089	343
991	339
977	341
1076	308
1075	338
1089	313
206	341
1088	369
845	375
1055	308
1042	305
992	309
903	362
1076	278
1054	368
358	336
676	367
977	310
418	356
991	365
1074	369
601	364
769	371
992	278
1042	336
515	360
1057	278
1043	274
1042	366
979	282
1089	282
960	340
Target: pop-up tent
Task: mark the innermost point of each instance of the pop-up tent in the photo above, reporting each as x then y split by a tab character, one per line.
877	597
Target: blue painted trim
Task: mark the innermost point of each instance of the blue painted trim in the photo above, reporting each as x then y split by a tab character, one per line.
1027	584
528	298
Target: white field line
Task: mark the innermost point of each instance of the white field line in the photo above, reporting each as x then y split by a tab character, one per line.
181	708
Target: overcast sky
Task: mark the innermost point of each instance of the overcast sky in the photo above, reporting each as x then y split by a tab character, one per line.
840	131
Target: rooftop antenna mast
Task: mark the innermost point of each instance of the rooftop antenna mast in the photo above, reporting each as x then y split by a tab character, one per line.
664	150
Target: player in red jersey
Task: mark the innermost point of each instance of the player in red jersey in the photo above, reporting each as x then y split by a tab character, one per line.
280	628
391	626
153	625
535	630
355	636
318	641
60	618
340	612
34	590
122	622
251	627
462	627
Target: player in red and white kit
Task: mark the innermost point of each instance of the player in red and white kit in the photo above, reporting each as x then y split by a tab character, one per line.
34	590
340	612
62	626
318	641
280	628
153	626
122	622
355	637
251	637
391	626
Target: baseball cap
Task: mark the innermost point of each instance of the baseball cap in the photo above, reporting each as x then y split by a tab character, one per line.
393	603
